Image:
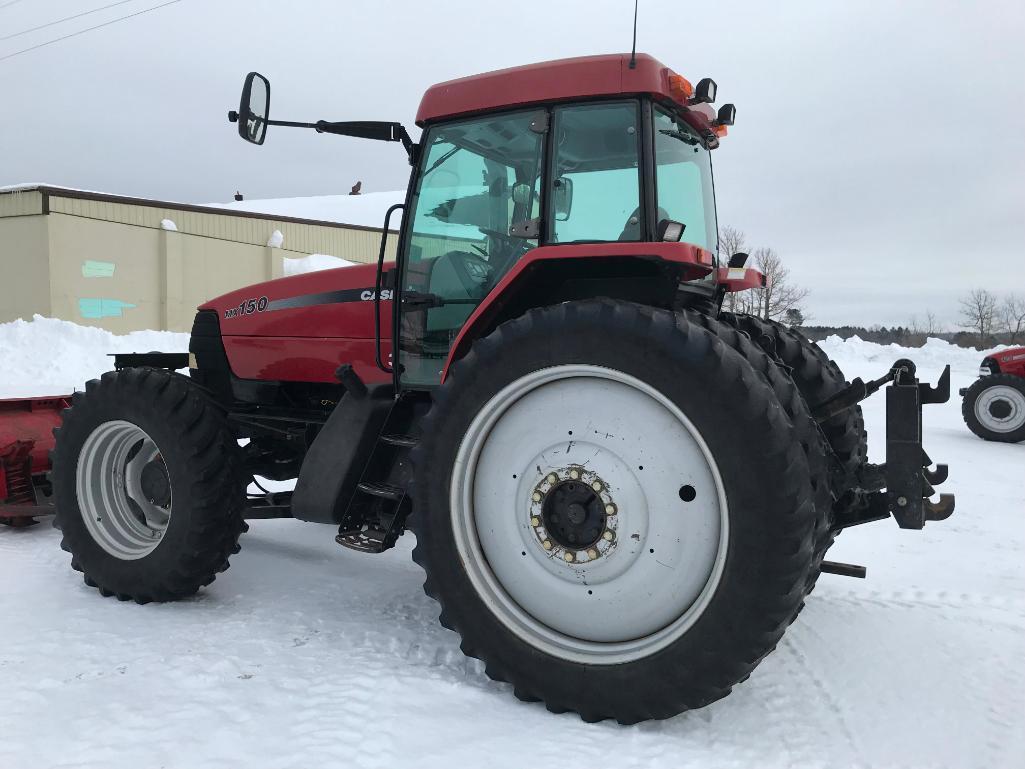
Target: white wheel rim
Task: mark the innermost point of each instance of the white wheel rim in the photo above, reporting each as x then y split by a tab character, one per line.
109	486
1009	405
645	586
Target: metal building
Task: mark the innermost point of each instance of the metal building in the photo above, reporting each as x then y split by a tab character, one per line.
126	263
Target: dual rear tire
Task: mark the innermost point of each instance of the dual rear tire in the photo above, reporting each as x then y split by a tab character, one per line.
681	572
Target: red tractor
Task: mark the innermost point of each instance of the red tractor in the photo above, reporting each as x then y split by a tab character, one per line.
994	406
620	493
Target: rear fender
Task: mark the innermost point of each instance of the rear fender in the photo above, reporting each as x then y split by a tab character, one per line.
647	273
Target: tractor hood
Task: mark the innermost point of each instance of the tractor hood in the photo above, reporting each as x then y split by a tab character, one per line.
328	303
301	328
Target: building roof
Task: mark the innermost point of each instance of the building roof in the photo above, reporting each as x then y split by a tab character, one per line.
581	77
366	210
324	211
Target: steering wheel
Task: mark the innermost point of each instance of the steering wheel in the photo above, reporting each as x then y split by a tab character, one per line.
465	265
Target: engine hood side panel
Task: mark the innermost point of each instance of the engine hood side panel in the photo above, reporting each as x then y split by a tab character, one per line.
325	304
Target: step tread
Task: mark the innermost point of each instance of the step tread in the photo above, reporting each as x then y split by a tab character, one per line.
385	490
406	441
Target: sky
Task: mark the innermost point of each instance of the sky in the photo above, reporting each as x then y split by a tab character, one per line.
879	146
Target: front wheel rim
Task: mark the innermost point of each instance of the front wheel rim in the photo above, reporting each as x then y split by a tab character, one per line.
638	584
1001	409
124	502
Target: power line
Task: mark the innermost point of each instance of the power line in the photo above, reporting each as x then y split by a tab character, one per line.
66	18
88	29
10	3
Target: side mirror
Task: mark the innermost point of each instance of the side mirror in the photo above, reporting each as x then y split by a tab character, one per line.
563	198
253	109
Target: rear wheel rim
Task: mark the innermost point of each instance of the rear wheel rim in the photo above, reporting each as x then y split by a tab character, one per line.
120	492
622	593
1001	409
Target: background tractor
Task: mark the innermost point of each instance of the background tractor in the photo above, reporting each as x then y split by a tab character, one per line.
994	406
621	494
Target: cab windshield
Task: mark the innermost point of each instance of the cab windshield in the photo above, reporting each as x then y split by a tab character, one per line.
683	178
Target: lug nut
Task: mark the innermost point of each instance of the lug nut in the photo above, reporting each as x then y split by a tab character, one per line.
553	478
535	521
574	474
592	553
596	485
568	556
607	536
537	496
610	509
546	545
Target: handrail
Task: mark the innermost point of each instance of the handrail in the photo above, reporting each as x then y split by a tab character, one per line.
377	291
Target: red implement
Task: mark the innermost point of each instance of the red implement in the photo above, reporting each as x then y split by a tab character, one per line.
26	438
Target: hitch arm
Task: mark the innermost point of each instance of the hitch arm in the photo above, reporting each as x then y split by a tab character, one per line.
909	481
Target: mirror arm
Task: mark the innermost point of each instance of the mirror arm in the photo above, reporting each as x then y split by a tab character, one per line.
382	131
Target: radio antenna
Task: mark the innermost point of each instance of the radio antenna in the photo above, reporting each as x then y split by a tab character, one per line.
633	50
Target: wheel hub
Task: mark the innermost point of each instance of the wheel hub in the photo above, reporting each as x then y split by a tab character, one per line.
1000	408
156	486
574	514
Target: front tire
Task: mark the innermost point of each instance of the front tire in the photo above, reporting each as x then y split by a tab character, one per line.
994	408
670	585
147	486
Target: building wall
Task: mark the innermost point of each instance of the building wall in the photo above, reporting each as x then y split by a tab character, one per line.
110	264
24	267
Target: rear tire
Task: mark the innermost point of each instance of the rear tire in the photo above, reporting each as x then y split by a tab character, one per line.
994	408
600	368
147	486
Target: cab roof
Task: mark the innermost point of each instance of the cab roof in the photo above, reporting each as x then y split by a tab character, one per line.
563	79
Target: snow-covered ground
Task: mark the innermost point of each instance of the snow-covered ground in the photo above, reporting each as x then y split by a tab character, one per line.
304	654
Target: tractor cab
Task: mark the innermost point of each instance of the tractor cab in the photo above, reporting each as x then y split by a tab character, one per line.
518	168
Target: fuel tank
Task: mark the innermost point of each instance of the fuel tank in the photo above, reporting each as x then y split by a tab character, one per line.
301	328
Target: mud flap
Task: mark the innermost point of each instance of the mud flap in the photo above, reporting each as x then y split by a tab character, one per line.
909	481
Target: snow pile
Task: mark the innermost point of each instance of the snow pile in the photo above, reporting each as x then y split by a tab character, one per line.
365	210
167	224
302	643
314	263
933	355
276	239
46	356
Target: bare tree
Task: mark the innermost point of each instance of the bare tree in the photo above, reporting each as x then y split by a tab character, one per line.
920	330
731	241
779	294
1012	317
978	312
777	297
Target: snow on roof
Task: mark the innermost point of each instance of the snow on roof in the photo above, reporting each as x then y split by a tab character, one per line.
366	210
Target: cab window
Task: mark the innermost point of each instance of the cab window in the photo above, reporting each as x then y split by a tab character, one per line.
596	182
